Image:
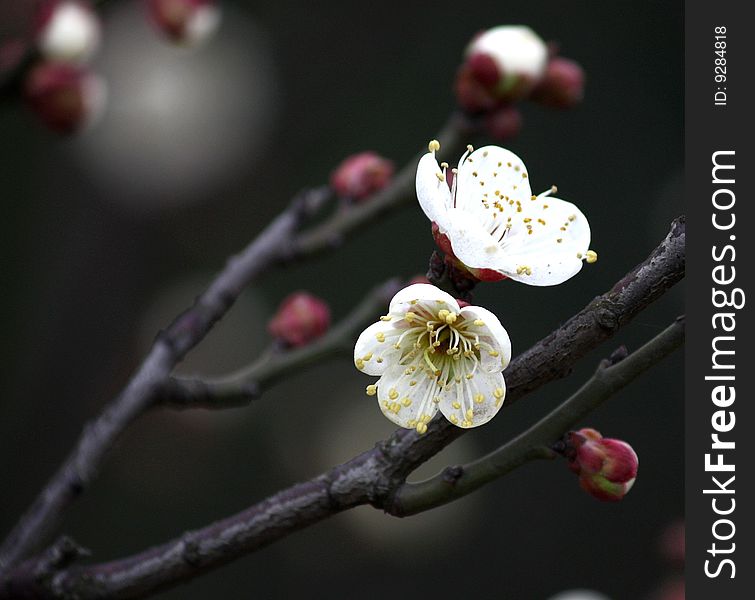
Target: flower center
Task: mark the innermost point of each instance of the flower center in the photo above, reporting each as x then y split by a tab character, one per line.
442	343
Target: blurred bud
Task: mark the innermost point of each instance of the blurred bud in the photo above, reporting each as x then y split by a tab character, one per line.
361	175
300	319
673	589
672	542
606	467
66	98
562	86
189	22
505	62
67	30
503	123
472	95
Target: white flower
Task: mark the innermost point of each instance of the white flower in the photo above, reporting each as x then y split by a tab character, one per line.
495	224
70	33
431	354
516	50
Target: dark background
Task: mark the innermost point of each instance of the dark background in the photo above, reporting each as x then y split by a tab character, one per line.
105	237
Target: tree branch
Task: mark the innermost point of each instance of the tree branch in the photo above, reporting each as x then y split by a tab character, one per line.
243	386
372	477
535	443
277	243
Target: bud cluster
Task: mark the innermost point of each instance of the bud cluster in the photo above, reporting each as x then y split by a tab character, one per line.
60	89
64	94
507	64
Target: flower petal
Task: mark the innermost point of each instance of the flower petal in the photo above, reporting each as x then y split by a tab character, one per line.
374	350
472	243
473	402
497	356
516	49
432	189
492	181
406	397
422	294
553	251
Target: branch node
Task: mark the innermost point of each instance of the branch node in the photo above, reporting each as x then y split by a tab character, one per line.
606	319
190	552
452	474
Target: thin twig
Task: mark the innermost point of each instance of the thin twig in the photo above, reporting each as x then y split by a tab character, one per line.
372	477
246	384
457	481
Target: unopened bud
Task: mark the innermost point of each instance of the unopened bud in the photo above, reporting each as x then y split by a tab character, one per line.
66	98
361	175
503	123
67	30
188	22
471	94
300	319
508	61
606	467
562	86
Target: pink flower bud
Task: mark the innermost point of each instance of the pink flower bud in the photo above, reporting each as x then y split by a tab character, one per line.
606	467
300	319
361	175
189	22
67	30
506	62
503	123
562	86
471	94
484	69
66	98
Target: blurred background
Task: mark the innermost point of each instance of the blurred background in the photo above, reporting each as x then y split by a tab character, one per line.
107	235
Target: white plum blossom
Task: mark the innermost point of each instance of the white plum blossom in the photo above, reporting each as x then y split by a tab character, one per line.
433	355
70	31
516	50
495	226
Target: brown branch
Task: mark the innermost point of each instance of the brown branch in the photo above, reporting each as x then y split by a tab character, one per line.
372	477
279	242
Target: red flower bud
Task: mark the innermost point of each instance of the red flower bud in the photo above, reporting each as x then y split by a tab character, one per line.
562	86
189	22
64	97
606	467
300	319
67	30
503	123
361	175
484	69
471	94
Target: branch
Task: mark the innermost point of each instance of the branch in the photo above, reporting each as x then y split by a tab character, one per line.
243	386
372	477
535	443
277	243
